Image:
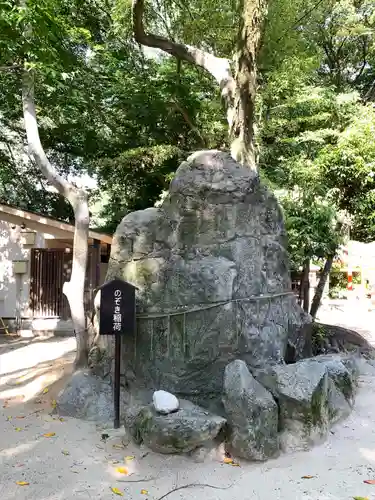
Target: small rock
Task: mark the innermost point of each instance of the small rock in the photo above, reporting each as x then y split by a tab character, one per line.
86	397
165	402
252	414
339	373
178	432
301	390
338	406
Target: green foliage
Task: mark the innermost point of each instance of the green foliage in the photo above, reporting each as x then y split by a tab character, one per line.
349	170
134	180
127	116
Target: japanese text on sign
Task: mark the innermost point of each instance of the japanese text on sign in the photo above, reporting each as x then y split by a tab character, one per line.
117	318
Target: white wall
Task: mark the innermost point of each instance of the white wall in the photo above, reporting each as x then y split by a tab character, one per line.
14	288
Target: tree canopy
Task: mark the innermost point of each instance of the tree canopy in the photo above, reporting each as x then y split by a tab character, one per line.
126	116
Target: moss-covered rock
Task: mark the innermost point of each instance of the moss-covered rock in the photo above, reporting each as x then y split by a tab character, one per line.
252	414
179	432
301	391
339	374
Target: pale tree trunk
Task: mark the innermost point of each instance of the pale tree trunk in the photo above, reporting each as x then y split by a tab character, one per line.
321	285
304	290
74	289
238	92
241	128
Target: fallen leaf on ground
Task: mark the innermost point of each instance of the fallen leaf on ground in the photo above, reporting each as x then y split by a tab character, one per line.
22	483
228	460
361	498
235	465
116	491
18	429
9	418
144	492
62	419
20	416
129	458
308	477
45	390
122	470
49	434
118	446
54	403
369	481
65	452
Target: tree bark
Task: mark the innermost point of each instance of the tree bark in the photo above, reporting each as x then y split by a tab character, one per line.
74	289
305	286
241	130
321	285
237	92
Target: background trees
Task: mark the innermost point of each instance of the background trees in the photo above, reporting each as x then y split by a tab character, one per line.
125	115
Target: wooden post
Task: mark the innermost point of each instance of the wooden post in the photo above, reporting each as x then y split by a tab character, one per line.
117	317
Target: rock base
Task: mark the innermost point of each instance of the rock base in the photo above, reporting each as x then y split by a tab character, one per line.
88	397
180	432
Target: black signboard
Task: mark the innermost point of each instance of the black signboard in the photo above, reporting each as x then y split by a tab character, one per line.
117	317
117	308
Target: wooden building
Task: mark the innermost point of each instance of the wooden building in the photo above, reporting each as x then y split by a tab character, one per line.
35	261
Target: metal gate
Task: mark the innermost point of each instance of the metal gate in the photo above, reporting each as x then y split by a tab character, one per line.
49	269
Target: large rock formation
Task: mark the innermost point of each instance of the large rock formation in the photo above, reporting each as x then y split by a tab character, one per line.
212	272
216	323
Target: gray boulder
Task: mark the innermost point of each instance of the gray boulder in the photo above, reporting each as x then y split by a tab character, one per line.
188	428
301	391
338	406
86	397
353	363
212	271
339	374
252	414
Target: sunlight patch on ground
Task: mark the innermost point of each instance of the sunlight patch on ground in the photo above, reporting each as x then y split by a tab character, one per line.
18	450
26	371
368	454
35	353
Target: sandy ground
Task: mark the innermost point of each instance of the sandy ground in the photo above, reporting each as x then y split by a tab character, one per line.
75	463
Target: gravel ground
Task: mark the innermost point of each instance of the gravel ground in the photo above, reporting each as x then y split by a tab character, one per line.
75	463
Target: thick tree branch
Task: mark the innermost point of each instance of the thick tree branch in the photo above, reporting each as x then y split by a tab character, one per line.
364	61
36	149
13	67
74	289
187	119
218	67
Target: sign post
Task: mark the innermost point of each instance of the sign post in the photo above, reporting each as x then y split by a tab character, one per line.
117	317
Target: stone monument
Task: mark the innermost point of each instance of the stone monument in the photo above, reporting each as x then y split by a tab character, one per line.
217	323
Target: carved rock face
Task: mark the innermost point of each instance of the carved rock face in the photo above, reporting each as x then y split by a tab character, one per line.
212	273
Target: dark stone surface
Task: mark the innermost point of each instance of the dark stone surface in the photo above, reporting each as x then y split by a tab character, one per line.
180	432
216	242
339	374
252	414
301	391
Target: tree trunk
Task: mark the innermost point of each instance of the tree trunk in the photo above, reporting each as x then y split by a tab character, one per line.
321	285
241	131
305	285
74	289
238	93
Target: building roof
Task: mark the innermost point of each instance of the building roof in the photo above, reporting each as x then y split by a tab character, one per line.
43	223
